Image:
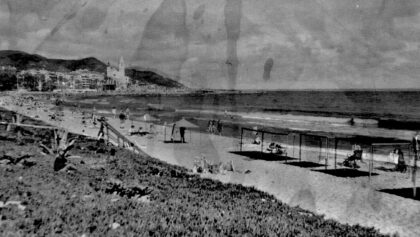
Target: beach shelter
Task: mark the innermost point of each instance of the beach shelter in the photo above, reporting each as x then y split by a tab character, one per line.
183	123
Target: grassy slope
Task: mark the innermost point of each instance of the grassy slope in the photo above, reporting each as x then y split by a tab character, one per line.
60	203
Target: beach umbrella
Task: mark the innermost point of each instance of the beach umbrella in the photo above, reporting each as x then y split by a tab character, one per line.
183	123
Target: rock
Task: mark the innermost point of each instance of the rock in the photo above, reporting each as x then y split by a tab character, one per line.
144	199
114	199
4	162
115	225
18	203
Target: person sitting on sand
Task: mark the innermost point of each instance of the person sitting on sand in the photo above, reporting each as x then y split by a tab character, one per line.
131	130
401	165
257	140
351	160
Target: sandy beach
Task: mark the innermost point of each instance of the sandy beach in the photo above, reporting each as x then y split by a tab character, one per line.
348	200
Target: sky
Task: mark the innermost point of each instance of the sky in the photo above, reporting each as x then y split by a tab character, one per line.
230	44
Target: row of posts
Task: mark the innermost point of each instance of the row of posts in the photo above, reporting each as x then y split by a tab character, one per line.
414	144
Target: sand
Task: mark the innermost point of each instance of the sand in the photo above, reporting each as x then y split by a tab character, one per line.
347	200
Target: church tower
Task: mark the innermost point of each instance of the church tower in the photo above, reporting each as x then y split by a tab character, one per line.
121	66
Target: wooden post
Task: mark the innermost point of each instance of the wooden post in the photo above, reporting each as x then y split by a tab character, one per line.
294	137
414	173
107	134
371	163
414	176
164	130
320	150
326	149
262	142
240	143
300	147
335	153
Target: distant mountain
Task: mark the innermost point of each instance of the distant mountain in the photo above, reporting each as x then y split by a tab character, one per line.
150	77
22	61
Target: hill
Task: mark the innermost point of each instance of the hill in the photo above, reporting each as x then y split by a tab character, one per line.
150	77
22	61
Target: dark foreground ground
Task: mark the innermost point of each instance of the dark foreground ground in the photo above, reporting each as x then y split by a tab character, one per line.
131	195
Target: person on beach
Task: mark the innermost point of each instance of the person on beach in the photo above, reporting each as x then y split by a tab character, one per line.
401	166
94	120
209	126
357	155
101	132
131	130
257	140
213	126
182	133
127	113
122	120
219	127
114	112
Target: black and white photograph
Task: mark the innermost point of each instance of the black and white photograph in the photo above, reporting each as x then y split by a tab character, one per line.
209	118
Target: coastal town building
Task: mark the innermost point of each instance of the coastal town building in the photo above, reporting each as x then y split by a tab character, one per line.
9	70
115	78
80	79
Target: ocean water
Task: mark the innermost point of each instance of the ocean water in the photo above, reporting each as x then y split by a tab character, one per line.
377	115
402	106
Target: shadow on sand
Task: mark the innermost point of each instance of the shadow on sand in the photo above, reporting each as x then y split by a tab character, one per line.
256	155
306	164
175	142
403	192
346	173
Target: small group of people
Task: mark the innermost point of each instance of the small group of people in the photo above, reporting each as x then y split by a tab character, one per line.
215	126
125	112
397	158
277	149
181	134
132	131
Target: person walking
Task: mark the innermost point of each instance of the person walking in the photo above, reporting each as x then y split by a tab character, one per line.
401	166
219	127
127	113
114	112
182	133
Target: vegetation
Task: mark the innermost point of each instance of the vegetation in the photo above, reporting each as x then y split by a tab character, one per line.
7	82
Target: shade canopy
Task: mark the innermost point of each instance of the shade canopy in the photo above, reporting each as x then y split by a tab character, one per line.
183	123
